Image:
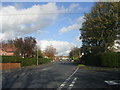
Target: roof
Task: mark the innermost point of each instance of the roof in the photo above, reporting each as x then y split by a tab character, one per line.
8	47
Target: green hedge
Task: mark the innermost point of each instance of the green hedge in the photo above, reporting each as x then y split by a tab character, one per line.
28	61
24	61
109	59
77	60
43	60
10	59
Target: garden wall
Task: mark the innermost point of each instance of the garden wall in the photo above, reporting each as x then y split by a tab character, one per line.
9	65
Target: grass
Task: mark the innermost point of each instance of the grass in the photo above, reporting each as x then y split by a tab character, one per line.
81	65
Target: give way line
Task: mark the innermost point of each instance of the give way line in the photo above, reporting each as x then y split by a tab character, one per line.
65	82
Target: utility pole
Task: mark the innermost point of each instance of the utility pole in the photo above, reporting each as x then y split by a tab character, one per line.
37	55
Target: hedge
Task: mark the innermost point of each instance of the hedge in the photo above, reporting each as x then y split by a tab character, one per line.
28	61
43	60
109	59
24	61
77	60
10	59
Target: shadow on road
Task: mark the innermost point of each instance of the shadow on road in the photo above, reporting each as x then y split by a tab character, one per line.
50	76
95	78
66	63
31	79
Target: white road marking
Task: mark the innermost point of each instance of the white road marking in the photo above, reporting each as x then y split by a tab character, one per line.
64	82
113	82
72	84
44	69
61	86
75	79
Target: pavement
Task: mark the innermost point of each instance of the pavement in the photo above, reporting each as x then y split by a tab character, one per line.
60	75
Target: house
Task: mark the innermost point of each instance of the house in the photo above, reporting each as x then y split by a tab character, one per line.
7	50
64	57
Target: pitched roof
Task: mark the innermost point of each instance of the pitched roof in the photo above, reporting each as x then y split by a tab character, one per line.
8	47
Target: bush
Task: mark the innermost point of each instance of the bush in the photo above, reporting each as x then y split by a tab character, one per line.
28	61
109	59
10	59
77	60
40	56
24	61
15	59
43	60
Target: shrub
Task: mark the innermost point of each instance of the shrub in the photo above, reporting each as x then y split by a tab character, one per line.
40	56
10	59
108	59
24	61
28	61
77	60
43	60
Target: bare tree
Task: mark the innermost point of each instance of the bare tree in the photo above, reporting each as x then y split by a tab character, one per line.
50	52
25	47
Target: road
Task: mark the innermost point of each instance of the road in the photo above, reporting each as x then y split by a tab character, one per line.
58	75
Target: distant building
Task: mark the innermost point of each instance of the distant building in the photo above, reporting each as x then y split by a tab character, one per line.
117	46
64	57
46	57
7	50
56	58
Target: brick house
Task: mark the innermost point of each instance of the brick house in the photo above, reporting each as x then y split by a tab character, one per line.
7	49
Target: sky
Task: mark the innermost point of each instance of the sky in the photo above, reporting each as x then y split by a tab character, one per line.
55	24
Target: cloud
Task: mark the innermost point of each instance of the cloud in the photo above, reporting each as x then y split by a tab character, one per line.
74	6
80	19
17	21
69	28
62	47
75	26
77	38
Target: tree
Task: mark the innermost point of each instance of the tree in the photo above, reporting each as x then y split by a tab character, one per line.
38	52
100	28
50	52
75	53
25	47
18	42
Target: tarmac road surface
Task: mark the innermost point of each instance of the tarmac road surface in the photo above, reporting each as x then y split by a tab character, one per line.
59	75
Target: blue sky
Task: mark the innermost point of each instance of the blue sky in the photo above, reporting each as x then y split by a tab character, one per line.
59	22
